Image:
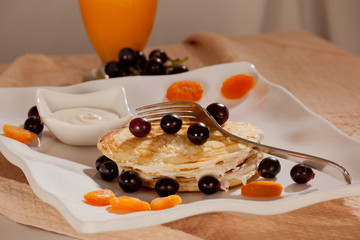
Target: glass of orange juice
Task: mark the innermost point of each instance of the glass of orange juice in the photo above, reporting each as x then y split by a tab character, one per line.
114	24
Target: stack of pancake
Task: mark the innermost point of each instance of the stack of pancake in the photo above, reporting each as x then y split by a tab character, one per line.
172	155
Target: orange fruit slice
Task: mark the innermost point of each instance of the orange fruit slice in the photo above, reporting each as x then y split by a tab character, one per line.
99	197
165	202
237	86
129	204
18	133
262	189
184	91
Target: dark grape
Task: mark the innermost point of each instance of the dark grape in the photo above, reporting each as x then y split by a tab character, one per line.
33	112
198	133
127	57
130	181
269	167
133	62
166	186
101	160
140	127
108	170
301	173
34	124
113	69
159	54
154	66
178	69
140	59
219	112
209	184
171	123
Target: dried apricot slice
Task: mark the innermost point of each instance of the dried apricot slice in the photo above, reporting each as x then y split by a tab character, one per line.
262	189
129	204
99	197
165	202
185	91
18	133
237	86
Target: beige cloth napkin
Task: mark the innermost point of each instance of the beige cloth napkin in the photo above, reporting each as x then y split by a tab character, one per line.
322	76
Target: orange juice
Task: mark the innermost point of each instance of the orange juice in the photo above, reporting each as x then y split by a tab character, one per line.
114	24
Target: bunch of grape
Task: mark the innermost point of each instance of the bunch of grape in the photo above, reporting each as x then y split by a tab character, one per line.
132	62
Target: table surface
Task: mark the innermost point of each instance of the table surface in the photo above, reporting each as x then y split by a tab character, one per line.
324	77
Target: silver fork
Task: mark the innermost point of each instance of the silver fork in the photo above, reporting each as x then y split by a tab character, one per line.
195	112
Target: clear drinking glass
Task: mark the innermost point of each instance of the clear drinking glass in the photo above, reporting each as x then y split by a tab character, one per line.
114	24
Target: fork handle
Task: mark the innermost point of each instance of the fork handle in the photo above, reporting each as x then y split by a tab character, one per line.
321	164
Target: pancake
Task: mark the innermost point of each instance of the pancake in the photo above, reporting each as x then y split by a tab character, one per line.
172	155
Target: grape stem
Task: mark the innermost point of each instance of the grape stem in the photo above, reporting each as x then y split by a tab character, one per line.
175	62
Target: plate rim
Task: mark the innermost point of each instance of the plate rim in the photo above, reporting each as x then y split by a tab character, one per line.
91	227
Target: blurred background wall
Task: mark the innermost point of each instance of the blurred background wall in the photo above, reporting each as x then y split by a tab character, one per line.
55	27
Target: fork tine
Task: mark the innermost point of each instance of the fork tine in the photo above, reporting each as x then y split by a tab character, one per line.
160	114
166	110
154	112
163	104
158	119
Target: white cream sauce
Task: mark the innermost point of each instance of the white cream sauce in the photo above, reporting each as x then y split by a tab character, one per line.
85	115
